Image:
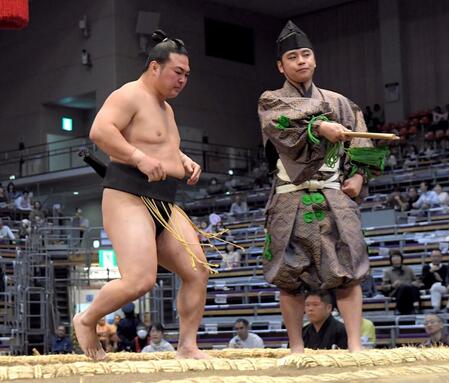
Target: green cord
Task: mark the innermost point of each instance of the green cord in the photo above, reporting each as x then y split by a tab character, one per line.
310	134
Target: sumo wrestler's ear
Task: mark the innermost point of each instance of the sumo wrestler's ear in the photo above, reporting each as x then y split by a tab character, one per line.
280	66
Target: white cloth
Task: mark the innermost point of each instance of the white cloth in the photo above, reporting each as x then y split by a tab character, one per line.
436	292
5	231
163	346
330	183
253	341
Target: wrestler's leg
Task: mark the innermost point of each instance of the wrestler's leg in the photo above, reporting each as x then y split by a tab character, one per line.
349	302
292	309
131	230
192	294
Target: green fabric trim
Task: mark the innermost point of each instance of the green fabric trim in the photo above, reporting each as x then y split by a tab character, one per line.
307	200
317	198
266	250
319	215
308	217
283	122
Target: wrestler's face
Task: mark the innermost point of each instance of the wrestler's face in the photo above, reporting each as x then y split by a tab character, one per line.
298	65
317	311
433	324
171	77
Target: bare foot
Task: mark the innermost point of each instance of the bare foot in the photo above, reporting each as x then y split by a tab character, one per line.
87	339
297	349
191	353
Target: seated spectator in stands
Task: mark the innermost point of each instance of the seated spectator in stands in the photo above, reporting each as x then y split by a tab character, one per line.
3	198
23	202
37	215
442	195
411	197
231	258
24	229
127	328
427	198
157	341
323	331
438	116
6	235
378	115
141	340
61	343
368	333
244	338
435	278
391	162
399	281
113	327
239	207
215	187
104	333
369	286
11	192
214	223
434	326
397	201
428	151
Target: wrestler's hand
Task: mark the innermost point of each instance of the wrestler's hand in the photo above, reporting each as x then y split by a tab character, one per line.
333	131
193	170
353	186
149	166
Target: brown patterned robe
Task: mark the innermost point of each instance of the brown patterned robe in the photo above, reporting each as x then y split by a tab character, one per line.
326	253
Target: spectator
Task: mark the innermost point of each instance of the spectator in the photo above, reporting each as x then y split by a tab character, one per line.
378	115
80	221
438	116
396	201
239	207
399	281
435	278
244	338
141	340
411	198
368	333
104	333
434	326
427	199
6	235
215	187
369	286
61	343
157	341
3	198
127	328
23	202
323	331
231	258
24	229
391	162
37	216
11	193
443	196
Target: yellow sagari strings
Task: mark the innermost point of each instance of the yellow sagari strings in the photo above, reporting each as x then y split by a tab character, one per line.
173	228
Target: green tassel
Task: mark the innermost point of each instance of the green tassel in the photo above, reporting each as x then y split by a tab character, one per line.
283	122
372	157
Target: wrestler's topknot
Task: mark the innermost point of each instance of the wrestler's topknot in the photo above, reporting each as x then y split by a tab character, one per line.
165	45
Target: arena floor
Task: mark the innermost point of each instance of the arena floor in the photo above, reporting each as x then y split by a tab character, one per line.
243	366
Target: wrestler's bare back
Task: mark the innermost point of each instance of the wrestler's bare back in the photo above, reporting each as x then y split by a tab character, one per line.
146	123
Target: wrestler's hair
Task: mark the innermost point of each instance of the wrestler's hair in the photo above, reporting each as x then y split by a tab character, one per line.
242	320
396	253
322	294
165	45
158	327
